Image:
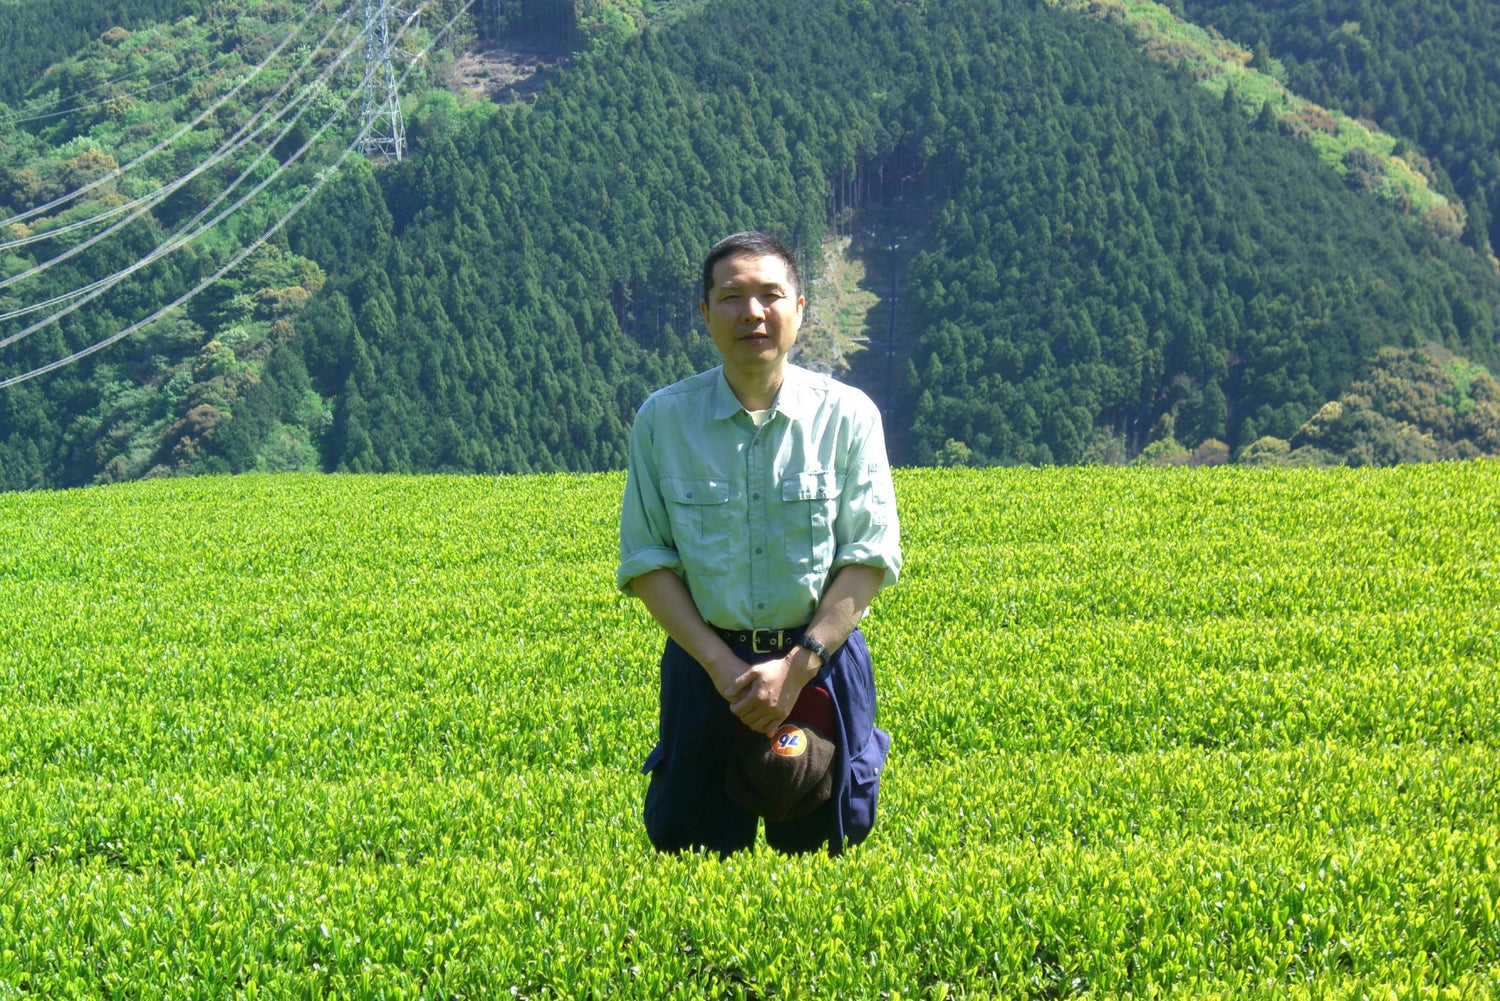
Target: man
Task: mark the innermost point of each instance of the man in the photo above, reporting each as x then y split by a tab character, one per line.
758	522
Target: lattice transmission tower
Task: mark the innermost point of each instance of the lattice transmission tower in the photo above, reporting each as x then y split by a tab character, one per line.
380	121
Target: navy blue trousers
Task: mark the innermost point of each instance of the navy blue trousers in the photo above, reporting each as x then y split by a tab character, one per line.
686	806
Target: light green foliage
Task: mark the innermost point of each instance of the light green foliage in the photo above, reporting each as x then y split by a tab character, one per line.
1416	405
1164	452
1188	732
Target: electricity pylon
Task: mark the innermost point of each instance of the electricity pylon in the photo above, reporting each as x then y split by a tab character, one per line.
380	121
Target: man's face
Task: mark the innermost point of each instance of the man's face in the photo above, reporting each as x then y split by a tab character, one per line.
753	311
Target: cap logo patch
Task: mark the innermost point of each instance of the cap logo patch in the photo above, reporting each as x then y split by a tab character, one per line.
789	741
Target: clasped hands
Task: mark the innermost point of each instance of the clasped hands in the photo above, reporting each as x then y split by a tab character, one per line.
762	695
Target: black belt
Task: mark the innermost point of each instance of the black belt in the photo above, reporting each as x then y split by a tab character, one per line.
761	640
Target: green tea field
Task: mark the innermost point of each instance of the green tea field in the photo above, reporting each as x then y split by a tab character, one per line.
1157	733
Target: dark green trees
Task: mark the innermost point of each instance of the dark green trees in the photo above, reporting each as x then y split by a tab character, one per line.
1109	254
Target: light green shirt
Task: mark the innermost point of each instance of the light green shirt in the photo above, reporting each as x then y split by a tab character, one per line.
755	520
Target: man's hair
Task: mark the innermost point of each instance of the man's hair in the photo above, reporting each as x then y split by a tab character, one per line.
754	244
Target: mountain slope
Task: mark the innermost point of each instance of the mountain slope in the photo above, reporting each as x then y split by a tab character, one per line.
1114	248
1113	254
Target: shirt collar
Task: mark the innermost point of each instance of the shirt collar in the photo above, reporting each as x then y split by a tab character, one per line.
791	401
726	404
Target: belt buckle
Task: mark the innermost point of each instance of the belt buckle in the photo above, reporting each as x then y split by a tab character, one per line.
756	634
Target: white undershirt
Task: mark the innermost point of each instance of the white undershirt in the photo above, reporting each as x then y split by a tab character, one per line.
760	416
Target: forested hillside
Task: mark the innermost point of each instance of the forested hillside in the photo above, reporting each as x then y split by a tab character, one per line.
590	22
165	150
38	34
1121	250
1111	247
1111	255
1428	70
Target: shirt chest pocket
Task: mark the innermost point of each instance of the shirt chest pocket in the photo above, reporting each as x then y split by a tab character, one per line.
699	511
810	505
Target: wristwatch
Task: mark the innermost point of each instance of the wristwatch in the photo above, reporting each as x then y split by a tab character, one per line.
807	642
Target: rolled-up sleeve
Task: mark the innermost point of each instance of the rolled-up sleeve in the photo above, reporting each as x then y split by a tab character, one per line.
867	531
646	541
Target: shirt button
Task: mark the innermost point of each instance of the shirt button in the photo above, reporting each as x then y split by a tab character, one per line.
755	496
758	550
760	604
690	495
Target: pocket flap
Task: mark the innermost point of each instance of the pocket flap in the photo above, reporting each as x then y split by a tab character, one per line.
654	758
682	490
810	486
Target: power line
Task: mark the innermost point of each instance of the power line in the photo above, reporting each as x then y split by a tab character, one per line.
117	172
270	231
185	233
190	293
147	202
177	239
228	147
17	119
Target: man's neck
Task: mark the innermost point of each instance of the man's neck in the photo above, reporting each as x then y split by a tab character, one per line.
756	390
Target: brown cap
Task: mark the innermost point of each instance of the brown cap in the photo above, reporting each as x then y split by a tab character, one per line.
789	774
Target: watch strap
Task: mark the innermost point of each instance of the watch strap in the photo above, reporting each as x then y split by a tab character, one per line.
811	644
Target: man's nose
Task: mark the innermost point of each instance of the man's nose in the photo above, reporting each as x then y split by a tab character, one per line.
754	307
